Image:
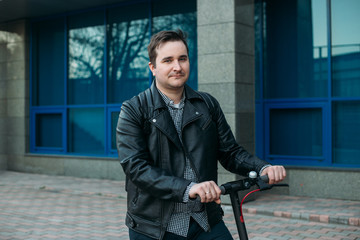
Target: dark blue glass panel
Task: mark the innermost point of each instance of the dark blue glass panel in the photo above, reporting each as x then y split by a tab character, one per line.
258	21
295	51
128	32
296	132
86	129
48	129
48	63
114	120
345	49
86	58
172	15
346	132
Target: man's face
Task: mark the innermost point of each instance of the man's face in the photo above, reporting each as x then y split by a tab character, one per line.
172	66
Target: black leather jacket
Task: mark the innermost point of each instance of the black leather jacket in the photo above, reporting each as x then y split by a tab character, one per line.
153	157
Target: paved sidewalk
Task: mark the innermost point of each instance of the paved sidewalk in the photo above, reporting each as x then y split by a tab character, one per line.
306	208
56	207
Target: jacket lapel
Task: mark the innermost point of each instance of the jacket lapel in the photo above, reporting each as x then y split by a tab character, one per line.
165	124
190	114
162	119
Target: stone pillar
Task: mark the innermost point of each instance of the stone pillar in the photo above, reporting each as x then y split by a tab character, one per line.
245	73
14	91
3	101
226	64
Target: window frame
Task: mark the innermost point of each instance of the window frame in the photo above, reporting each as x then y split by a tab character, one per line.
41	111
323	160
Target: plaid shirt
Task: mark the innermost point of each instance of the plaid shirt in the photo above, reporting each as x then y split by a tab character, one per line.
180	218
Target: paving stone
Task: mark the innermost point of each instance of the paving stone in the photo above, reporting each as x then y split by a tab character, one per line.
49	207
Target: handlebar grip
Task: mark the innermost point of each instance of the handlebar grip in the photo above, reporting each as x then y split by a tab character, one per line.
223	191
265	178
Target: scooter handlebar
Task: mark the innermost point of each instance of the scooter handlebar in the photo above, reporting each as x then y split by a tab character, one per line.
238	185
222	188
265	178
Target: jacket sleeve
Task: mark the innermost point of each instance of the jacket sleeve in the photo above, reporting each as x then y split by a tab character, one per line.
135	158
231	155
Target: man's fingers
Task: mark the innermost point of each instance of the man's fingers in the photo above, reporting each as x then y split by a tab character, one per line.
275	173
207	191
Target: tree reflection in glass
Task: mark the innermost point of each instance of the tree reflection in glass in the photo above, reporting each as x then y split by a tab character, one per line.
86	59
128	31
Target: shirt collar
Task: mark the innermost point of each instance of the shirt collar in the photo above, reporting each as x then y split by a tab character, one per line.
170	102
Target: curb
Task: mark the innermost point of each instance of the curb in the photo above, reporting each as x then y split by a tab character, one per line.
351	221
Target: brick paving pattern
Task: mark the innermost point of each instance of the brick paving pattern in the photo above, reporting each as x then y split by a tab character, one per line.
48	207
313	209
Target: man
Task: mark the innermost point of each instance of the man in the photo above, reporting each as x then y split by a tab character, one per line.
169	140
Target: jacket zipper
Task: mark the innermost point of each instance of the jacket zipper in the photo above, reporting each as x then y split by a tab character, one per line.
163	226
207	124
187	153
192	162
162	232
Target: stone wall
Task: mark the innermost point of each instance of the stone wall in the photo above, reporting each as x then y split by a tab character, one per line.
322	183
226	64
14	94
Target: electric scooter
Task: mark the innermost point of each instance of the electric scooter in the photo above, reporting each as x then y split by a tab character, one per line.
232	188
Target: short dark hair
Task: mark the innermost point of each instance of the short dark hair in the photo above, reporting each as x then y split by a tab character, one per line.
162	37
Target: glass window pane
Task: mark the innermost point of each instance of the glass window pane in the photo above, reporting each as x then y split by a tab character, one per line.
86	129
295	49
296	132
86	59
346	132
172	15
48	63
48	130
345	37
114	120
128	31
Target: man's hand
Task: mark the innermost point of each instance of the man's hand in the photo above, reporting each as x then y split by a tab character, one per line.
207	191
275	173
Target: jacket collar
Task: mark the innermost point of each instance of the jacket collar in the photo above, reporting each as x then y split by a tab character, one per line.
158	101
162	118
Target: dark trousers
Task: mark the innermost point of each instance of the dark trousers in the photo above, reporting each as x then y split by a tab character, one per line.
218	232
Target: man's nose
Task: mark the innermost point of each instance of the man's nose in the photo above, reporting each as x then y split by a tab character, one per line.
177	65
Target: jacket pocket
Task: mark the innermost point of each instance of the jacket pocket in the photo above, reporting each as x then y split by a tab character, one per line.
206	124
135	198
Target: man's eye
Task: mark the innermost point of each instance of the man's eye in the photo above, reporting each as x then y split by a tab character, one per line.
183	59
167	60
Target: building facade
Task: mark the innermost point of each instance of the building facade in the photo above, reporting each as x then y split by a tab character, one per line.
286	73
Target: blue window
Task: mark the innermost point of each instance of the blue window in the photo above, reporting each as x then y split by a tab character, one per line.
128	31
86	131
114	115
48	123
346	132
345	48
84	65
296	132
86	47
308	82
48	53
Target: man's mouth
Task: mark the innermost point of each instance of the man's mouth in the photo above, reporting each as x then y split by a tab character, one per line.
177	75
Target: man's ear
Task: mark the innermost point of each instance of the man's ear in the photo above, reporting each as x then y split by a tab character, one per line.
152	68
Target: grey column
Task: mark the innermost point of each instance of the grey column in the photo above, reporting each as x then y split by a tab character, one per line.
14	92
226	64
